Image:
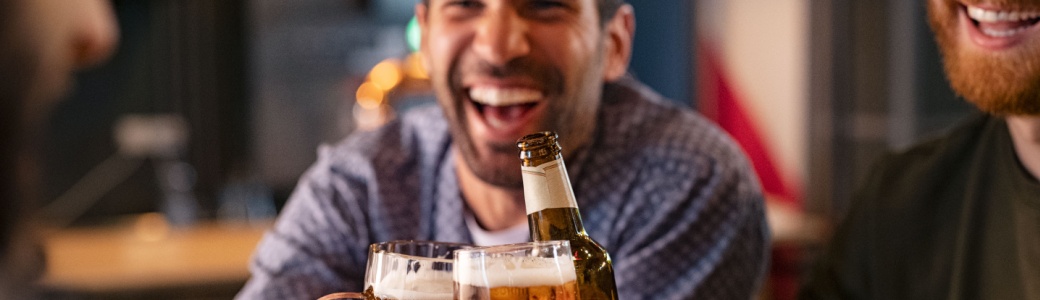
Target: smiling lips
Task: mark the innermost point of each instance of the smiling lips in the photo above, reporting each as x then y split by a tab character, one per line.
504	108
1001	24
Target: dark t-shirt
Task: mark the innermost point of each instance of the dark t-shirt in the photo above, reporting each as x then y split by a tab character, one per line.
953	218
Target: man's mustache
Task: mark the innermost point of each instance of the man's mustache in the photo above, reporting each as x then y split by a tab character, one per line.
514	68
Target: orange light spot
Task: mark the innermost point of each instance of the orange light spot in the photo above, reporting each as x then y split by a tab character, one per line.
370	96
386	74
414	66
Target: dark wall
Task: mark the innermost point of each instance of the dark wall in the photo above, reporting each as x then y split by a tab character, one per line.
877	86
663	51
182	57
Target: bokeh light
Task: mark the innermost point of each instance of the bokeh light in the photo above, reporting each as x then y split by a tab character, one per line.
387	74
414	66
413	33
370	95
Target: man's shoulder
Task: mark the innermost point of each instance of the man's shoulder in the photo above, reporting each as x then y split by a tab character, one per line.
909	210
928	175
651	125
653	145
937	156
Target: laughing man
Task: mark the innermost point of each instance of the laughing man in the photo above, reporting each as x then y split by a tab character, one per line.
957	217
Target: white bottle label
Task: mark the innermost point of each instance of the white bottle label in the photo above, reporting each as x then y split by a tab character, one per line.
547	186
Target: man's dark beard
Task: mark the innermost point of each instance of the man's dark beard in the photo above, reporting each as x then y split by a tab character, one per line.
501	166
499	174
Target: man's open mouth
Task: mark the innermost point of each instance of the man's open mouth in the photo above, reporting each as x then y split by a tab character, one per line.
1002	23
503	107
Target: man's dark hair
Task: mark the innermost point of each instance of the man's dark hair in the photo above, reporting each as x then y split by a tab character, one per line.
605	8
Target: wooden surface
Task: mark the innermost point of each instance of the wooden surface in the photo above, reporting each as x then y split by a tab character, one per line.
145	254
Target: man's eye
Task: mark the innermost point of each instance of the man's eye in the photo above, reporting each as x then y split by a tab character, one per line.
461	9
547	9
547	4
468	4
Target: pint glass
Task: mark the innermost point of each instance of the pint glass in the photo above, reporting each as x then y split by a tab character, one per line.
537	270
407	270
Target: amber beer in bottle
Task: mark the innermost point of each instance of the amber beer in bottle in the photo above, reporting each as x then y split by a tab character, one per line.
552	214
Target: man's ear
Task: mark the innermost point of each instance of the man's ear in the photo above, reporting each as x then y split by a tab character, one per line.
620	31
420	17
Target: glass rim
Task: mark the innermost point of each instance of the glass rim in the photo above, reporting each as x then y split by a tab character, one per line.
420	242
383	248
394	255
510	247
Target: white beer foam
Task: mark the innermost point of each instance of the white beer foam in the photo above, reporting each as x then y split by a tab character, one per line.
416	295
515	271
424	284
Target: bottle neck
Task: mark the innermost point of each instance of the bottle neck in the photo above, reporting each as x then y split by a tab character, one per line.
556	224
552	209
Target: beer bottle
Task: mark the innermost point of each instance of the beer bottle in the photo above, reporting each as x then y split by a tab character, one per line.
552	214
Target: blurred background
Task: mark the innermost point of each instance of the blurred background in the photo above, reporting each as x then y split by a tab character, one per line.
167	163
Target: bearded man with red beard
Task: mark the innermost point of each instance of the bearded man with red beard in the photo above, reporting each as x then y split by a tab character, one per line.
957	217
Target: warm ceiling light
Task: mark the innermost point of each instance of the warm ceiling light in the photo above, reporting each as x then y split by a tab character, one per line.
414	66
386	74
370	96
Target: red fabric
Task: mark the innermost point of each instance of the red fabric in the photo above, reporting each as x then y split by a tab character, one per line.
720	102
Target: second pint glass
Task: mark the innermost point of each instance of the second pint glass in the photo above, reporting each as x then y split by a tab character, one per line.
537	270
406	270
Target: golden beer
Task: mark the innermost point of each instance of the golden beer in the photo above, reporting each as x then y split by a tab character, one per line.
538	270
565	291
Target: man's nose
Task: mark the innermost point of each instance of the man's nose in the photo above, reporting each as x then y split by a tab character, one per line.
96	34
501	37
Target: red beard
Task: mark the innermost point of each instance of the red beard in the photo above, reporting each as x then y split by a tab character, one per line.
1005	83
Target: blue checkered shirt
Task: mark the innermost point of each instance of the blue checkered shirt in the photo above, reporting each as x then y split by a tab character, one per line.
666	192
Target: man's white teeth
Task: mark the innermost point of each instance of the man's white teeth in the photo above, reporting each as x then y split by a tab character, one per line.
504	97
992	16
1002	33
